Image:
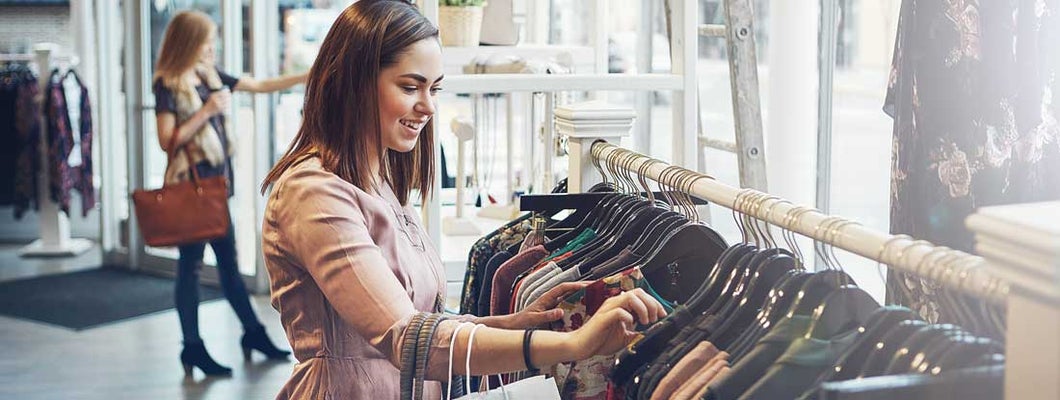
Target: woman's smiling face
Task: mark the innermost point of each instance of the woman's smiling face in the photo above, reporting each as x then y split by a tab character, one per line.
407	94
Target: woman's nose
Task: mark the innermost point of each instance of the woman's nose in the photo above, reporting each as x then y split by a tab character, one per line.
426	106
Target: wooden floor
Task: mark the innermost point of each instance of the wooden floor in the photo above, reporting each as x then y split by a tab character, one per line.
132	359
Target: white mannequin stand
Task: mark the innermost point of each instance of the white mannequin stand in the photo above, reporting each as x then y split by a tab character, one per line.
458	225
55	240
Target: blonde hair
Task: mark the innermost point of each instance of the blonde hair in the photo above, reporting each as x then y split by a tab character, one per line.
182	43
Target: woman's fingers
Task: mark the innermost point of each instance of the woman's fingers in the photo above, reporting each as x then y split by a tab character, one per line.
637	307
561	291
642	305
655	308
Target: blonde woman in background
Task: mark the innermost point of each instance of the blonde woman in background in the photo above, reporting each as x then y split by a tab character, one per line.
191	97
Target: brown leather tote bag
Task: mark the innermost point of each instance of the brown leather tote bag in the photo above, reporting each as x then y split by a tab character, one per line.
187	212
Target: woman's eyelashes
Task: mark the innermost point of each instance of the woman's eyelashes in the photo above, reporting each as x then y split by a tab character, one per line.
413	89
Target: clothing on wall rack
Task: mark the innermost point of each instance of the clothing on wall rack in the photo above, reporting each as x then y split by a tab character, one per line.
747	320
61	159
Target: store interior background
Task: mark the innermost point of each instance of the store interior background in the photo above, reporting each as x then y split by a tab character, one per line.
100	33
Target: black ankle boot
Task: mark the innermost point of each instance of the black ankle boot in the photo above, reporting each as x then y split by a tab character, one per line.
195	355
255	339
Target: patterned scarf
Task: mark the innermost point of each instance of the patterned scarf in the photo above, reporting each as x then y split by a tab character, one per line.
206	144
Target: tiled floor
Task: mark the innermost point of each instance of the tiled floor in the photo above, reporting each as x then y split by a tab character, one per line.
133	359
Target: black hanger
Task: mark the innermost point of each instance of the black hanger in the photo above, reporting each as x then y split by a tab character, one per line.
659	336
817	288
966	353
609	243
733	285
588	221
654	238
662	224
763	281
931	352
629	234
611	209
579	214
710	292
850	363
880	356
843	310
682	261
919	340
780	299
700	327
677	266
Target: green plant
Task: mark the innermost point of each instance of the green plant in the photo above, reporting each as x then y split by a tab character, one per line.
461	3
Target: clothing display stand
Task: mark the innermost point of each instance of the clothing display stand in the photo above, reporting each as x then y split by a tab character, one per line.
55	240
1022	244
1032	352
459	225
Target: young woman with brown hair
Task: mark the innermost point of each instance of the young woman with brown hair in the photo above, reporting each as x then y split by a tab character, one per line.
350	266
191	97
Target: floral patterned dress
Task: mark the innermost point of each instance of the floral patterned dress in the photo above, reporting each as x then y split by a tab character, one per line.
974	92
587	379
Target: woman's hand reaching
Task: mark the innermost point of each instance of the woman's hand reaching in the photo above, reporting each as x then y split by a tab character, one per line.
613	326
543	310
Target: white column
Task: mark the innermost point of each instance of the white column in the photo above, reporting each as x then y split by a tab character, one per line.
599	40
791	107
683	55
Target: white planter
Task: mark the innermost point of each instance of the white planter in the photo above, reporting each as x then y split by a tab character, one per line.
460	26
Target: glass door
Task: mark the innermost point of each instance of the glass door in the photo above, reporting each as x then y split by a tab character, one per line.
148	161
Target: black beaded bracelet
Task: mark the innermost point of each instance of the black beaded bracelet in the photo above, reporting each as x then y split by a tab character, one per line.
527	334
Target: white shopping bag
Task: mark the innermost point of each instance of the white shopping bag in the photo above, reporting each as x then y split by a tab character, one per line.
533	388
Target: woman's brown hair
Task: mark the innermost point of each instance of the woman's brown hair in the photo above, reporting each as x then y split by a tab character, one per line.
181	46
341	110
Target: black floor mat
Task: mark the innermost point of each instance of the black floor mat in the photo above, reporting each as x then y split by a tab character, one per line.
86	299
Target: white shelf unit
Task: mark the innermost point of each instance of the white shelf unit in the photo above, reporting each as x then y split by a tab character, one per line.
454	58
681	81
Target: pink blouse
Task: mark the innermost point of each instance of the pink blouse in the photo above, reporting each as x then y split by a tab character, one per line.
348	269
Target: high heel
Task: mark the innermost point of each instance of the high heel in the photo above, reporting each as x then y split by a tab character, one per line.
195	355
255	339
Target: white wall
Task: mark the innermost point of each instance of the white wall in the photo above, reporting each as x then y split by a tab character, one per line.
20	29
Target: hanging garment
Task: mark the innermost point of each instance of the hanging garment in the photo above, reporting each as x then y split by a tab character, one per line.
25	127
482	305
480	254
69	152
587	379
500	295
10	138
974	96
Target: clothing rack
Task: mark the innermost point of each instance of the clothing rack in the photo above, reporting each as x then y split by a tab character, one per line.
903	253
54	239
1032	354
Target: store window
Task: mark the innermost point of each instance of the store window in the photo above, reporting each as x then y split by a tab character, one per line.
302	28
861	131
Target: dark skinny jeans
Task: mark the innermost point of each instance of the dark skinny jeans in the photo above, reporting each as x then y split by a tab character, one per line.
187	290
